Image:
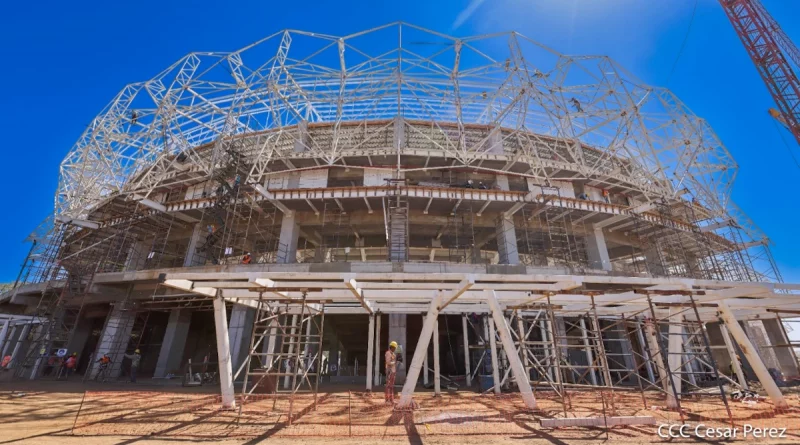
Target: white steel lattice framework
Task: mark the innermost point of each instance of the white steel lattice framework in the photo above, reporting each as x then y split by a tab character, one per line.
506	80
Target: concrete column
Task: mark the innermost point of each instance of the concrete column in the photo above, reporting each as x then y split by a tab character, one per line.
306	347
437	381
493	351
507	241
196	241
81	335
552	331
523	349
588	349
737	366
513	359
655	354
224	355
377	377
419	353
675	357
169	358
545	347
425	365
780	346
596	250
18	351
494	143
287	380
9	340
690	365
137	255
626	348
4	333
466	349
502	182
290	233
370	350
647	357
114	339
397	333
561	337
751	354
301	141
606	372
399	133
240	330
271	343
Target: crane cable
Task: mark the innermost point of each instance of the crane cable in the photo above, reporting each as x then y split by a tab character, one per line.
788	147
683	44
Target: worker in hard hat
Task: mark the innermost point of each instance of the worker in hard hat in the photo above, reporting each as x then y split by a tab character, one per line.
136	358
391	372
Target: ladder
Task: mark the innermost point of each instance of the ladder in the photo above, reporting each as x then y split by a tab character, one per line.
398	229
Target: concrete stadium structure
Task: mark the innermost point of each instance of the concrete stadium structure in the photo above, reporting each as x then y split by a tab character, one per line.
518	217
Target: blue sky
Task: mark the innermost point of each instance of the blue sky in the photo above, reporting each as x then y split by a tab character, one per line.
63	61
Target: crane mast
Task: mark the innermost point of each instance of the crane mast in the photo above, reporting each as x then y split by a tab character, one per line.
772	52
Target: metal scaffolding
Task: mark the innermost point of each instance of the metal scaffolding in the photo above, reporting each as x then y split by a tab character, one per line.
285	354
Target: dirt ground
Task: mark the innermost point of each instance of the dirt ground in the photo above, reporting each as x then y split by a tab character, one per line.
76	413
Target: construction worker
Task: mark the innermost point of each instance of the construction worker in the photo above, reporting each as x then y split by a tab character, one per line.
246	259
70	364
575	103
104	361
136	358
391	372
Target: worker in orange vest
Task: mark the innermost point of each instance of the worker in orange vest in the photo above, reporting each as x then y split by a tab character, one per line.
70	364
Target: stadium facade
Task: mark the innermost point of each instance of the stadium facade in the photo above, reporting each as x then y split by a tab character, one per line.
287	209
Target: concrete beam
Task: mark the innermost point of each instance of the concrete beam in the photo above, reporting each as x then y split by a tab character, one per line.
719	225
78	222
224	355
370	350
271	198
419	353
523	383
462	287
751	353
352	284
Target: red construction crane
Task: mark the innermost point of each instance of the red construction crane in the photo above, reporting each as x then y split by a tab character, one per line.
772	53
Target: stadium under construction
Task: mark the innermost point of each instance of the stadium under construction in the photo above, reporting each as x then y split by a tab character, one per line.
517	220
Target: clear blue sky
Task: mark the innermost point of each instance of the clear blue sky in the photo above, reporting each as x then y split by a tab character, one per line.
63	61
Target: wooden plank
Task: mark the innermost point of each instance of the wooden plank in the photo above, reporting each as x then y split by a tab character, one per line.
598	421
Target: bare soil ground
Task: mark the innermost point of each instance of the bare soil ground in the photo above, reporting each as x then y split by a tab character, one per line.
74	413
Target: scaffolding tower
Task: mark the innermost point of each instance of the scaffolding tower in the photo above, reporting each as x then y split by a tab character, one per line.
285	355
